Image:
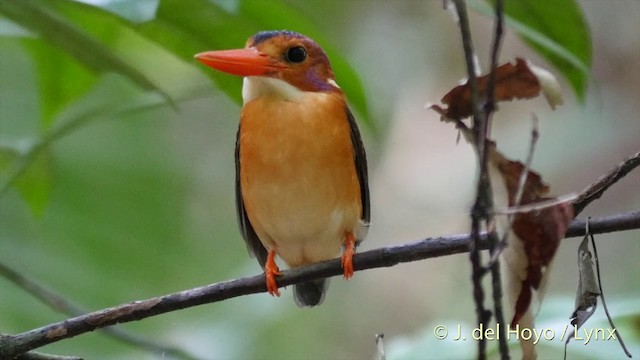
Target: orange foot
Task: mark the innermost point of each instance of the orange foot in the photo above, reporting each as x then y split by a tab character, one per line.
271	270
347	255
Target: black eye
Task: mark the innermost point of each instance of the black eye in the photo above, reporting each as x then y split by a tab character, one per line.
296	54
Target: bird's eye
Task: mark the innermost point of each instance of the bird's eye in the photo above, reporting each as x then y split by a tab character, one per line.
296	54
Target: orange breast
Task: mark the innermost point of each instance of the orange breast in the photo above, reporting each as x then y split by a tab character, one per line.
298	177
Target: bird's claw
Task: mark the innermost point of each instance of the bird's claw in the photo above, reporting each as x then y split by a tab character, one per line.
347	255
271	270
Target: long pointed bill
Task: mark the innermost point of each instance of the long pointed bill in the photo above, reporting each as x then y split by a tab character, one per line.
243	62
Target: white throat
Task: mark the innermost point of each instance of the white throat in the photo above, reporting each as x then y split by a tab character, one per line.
255	86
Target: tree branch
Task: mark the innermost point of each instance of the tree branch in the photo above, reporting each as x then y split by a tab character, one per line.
606	224
494	243
14	345
32	355
479	209
61	304
483	105
67	126
595	190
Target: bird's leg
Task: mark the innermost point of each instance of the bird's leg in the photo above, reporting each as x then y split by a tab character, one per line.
347	255
271	270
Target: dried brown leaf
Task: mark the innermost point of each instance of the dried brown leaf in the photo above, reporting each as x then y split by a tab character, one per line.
521	80
541	232
588	291
510	171
537	233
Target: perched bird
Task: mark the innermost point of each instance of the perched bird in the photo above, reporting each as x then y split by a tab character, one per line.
301	168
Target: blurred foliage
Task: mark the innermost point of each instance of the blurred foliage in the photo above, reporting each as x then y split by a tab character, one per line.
126	187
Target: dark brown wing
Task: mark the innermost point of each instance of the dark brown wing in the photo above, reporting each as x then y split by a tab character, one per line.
253	243
361	166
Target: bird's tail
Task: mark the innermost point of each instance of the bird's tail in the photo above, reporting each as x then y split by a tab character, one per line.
310	293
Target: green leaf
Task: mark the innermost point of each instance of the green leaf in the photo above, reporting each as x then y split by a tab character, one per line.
35	183
60	77
557	30
8	154
45	19
189	27
11	29
136	11
26	166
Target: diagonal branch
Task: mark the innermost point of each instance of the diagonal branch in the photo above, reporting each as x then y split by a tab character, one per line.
595	190
32	355
67	126
59	303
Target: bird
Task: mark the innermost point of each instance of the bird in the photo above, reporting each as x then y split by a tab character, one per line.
302	190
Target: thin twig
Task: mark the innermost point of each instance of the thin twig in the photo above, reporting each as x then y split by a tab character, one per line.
518	198
469	54
13	345
604	303
483	206
66	127
496	42
61	304
535	134
494	244
32	355
478	212
537	206
595	190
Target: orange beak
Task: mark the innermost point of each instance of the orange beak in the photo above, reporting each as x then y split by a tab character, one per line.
242	62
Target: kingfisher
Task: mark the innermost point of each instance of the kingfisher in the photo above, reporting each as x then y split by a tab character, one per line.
301	170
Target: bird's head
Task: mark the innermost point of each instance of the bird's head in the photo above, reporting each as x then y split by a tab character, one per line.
282	62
